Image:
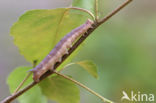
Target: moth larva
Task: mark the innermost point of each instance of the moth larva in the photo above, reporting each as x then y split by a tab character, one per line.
59	50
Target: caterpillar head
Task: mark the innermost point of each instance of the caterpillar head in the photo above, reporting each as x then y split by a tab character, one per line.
36	75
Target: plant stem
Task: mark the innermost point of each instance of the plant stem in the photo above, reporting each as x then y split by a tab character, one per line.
84	10
85	87
77	43
21	84
66	66
26	78
9	99
96	11
114	12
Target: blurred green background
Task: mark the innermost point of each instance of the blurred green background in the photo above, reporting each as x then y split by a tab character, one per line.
124	48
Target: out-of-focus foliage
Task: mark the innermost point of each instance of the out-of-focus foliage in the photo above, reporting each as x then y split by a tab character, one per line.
125	53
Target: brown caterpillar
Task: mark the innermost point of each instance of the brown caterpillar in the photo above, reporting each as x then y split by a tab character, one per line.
59	50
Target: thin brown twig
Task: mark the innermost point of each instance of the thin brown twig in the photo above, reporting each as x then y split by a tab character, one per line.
114	12
26	78
84	10
96	11
95	25
22	83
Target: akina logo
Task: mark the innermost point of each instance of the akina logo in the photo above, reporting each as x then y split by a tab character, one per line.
137	97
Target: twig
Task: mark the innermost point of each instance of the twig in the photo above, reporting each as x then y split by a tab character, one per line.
67	66
114	12
85	87
96	11
84	10
26	78
21	84
95	25
9	99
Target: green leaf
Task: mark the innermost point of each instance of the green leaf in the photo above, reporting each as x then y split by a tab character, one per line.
60	90
86	4
34	95
90	67
38	31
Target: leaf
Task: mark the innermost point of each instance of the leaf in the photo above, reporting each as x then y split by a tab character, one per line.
60	89
34	95
90	67
38	31
86	4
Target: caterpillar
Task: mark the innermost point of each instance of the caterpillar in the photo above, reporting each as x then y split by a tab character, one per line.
59	50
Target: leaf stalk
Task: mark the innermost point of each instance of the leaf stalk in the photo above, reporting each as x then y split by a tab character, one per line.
85	87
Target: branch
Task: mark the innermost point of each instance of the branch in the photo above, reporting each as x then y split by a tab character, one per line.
95	25
114	12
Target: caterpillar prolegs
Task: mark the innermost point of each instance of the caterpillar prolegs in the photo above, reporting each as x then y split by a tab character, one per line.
59	50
